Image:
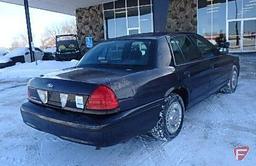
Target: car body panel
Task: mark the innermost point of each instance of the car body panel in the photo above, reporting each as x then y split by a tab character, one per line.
222	71
141	93
94	130
129	86
196	77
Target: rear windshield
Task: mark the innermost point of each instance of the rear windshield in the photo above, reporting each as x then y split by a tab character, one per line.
67	46
119	53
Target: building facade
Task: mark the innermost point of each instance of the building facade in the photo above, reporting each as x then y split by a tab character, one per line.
127	17
234	20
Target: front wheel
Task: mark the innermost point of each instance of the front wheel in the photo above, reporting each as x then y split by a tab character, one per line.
233	81
170	118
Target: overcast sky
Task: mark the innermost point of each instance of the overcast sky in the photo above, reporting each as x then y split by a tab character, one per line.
13	23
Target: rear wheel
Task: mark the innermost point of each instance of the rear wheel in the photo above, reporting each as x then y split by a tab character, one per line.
170	118
233	81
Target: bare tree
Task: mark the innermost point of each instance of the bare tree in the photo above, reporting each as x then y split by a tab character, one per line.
20	41
48	38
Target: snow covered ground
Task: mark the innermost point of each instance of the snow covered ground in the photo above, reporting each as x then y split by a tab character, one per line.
212	129
3	51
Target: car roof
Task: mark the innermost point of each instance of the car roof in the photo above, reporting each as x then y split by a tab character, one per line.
152	36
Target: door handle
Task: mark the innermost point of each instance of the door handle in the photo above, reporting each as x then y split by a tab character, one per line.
187	73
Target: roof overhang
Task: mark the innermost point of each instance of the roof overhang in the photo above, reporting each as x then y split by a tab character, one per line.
61	6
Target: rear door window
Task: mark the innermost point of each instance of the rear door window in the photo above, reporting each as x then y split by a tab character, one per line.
184	50
178	55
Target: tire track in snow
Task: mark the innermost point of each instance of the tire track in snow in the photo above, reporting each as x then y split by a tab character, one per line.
12	87
220	125
155	151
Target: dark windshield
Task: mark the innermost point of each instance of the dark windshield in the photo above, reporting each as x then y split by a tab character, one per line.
67	46
119	53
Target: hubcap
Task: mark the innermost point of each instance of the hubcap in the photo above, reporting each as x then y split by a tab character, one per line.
234	79
173	117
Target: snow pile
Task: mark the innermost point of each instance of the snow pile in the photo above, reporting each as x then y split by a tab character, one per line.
26	71
3	58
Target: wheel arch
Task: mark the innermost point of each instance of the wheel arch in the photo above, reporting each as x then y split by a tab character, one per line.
183	92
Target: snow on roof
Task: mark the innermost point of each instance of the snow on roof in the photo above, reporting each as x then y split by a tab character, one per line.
17	52
4	59
50	50
3	51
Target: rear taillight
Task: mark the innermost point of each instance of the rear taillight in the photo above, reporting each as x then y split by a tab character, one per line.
102	98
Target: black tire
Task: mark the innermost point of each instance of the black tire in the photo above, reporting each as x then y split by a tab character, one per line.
232	84
57	58
161	131
48	57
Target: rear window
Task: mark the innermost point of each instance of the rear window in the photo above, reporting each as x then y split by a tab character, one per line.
67	46
119	52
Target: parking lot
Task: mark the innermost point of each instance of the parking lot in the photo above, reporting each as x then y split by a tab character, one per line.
212	129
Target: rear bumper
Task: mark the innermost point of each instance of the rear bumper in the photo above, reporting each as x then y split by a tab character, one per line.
100	131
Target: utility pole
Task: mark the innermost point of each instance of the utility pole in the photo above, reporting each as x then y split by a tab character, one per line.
30	38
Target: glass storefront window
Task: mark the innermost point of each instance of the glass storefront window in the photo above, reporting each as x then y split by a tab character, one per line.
125	17
211	19
234	9
146	21
108	6
218	25
120	23
233	20
120	4
133	17
145	2
110	24
249	8
133	31
234	35
249	35
131	3
204	18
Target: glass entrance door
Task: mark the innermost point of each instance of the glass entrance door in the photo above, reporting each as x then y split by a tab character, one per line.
234	36
242	35
249	35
